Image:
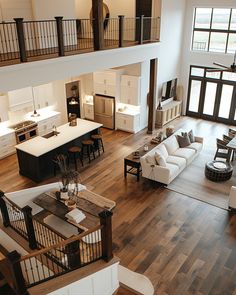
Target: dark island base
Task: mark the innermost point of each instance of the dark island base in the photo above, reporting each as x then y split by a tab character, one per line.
42	167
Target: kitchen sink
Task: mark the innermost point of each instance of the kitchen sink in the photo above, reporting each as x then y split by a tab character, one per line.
51	134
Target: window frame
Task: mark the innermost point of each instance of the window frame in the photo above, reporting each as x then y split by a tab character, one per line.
210	30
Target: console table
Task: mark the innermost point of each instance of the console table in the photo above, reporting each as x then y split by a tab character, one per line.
132	165
169	112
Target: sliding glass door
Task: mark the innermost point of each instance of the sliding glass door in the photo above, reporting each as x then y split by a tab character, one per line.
212	95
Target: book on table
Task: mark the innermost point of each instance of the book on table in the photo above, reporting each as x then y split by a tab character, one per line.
75	215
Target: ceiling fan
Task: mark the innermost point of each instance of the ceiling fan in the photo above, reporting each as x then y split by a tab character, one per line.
231	68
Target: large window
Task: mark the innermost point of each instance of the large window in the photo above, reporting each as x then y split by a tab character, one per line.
212	95
214	30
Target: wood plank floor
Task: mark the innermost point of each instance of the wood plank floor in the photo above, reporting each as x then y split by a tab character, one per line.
182	245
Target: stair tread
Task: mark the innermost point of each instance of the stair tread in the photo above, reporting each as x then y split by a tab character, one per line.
124	291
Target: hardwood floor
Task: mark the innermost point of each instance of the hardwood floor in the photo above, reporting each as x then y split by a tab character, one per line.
182	245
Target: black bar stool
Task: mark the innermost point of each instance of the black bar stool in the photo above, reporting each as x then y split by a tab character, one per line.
98	143
75	152
87	149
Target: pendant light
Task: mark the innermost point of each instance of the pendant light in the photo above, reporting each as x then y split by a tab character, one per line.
35	113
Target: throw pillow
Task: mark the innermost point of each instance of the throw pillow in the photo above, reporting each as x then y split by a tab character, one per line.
160	160
183	140
190	135
151	160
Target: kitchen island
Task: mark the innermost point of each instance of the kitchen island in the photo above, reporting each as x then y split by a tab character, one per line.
36	155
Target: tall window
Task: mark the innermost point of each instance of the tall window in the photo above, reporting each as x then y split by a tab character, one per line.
214	30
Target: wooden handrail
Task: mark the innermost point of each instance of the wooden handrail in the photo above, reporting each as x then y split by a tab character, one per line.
63	243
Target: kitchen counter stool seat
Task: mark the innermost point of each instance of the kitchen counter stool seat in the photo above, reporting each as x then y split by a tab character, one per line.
98	143
75	152
87	149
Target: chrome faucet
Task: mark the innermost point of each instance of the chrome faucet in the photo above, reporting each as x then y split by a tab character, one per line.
54	129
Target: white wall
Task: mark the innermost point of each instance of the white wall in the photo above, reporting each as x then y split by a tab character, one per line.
11	9
200	58
44	9
121	7
45	71
169	53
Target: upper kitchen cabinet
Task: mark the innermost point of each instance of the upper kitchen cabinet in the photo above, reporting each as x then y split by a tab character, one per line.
4	108
20	99
107	83
43	96
130	90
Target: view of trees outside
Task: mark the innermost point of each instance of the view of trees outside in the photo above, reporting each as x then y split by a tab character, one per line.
207	19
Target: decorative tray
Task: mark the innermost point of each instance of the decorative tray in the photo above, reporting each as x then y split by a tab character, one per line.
219	165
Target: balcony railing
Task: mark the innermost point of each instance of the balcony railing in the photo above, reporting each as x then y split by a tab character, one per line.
28	40
55	254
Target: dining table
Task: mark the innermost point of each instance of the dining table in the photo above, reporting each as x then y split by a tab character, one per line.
232	143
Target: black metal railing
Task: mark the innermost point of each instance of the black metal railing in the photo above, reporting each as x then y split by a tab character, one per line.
37	233
9	48
62	258
56	255
16	218
23	40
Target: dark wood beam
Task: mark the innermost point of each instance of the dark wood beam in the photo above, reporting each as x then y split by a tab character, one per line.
98	27
152	95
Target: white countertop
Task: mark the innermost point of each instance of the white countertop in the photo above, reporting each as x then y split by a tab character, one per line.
4	130
129	112
38	146
43	115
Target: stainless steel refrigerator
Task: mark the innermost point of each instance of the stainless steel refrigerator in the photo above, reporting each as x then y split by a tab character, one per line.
104	110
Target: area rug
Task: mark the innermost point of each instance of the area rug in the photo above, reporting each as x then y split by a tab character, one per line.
193	183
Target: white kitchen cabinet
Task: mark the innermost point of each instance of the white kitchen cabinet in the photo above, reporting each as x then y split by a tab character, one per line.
107	83
20	99
45	126
43	96
130	90
7	145
128	122
4	108
88	111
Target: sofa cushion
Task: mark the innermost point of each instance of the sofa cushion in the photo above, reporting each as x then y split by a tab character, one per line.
183	140
160	160
180	162
171	144
150	159
174	169
185	153
197	146
162	151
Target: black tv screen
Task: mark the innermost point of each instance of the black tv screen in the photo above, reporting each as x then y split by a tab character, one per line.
169	89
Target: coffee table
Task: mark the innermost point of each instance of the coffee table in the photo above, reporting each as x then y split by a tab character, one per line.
218	171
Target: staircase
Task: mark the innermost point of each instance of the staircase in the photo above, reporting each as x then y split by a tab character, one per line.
124	291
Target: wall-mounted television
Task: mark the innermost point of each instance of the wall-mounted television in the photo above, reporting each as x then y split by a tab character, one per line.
169	89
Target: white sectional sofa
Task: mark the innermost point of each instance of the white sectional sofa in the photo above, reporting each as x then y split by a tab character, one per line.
176	158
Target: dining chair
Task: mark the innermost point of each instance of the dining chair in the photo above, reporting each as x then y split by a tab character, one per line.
227	139
232	132
222	151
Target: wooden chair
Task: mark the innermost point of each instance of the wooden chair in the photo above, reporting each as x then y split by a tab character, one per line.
232	133
227	138
223	152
